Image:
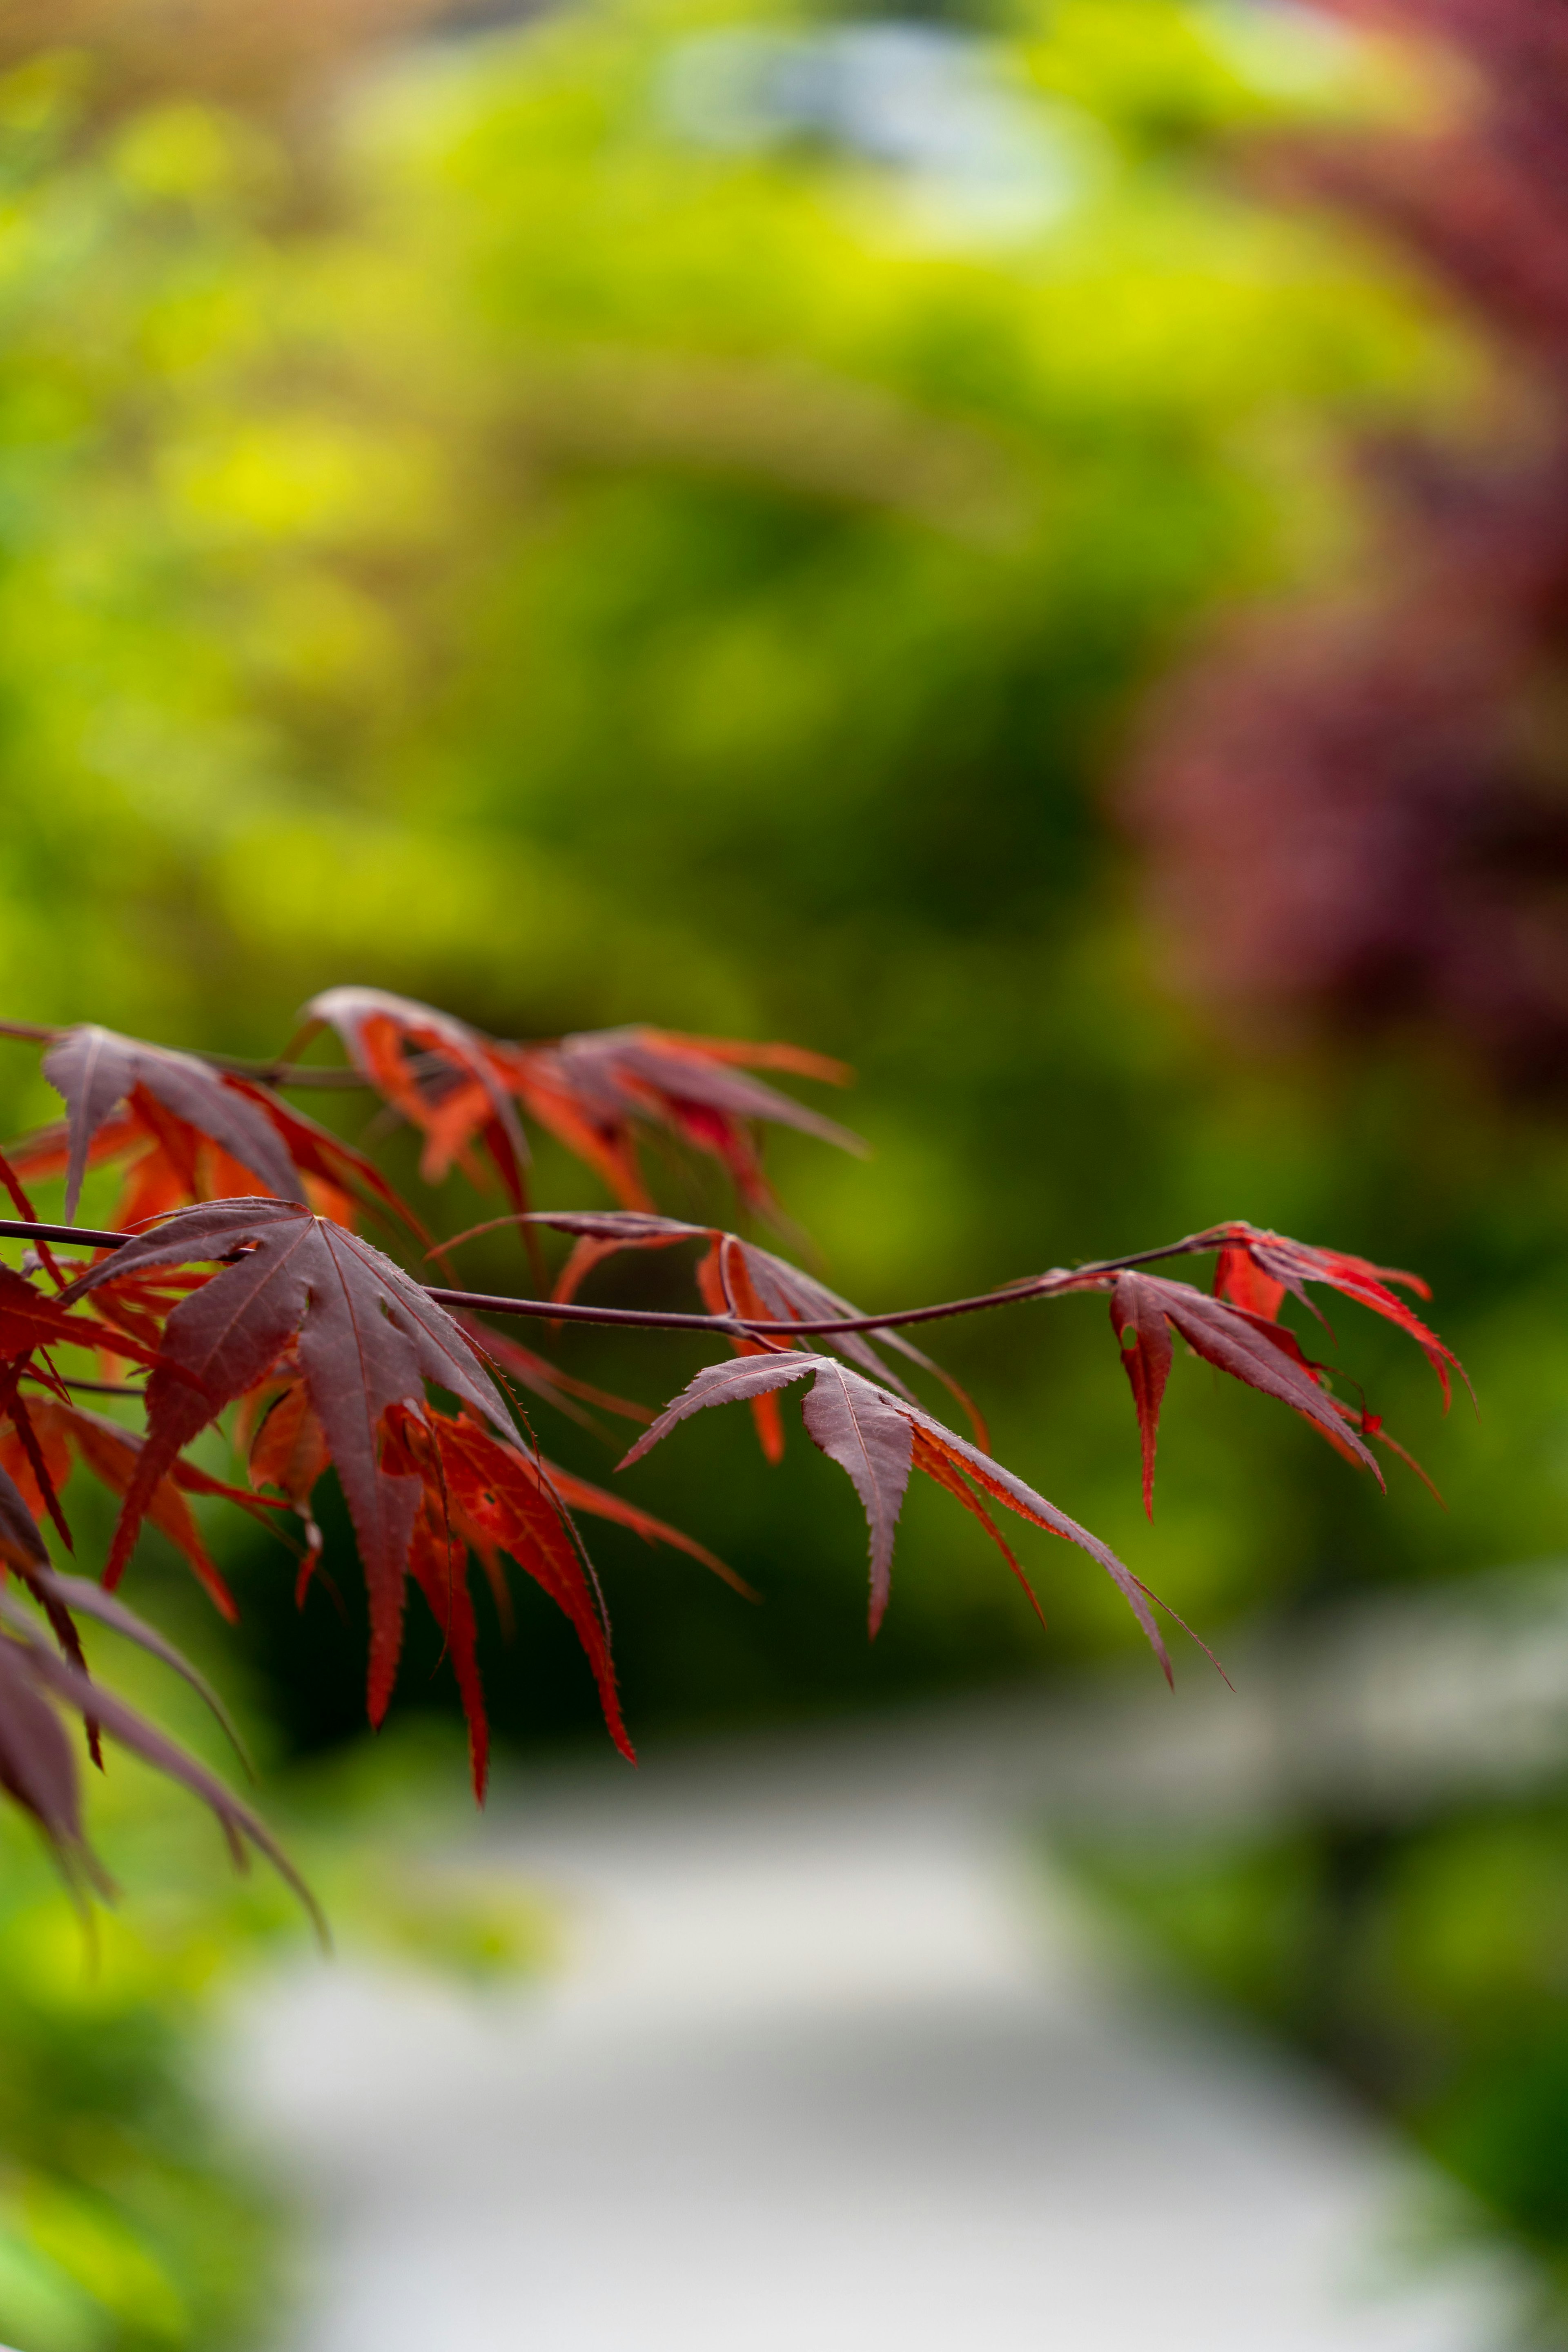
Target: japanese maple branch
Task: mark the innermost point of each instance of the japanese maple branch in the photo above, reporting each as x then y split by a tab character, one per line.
481	1302
338	1077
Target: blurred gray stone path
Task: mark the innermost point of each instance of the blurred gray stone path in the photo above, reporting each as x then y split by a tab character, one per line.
828	2061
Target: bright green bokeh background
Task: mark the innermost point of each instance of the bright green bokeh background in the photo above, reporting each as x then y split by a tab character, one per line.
138	2213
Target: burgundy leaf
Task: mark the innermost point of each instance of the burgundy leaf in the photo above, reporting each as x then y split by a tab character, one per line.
94	1069
1251	1348
757	1375
21	1545
80	1595
36	1765
90	1699
750	1376
366	1336
376	1027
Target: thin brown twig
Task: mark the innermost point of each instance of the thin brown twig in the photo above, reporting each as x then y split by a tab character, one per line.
262	1074
93	1388
551	1310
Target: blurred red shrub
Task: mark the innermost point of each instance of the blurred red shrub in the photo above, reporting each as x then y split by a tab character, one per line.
1357	809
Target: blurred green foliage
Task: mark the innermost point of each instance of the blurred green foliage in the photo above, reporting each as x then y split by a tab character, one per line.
133	2216
123	2223
510	544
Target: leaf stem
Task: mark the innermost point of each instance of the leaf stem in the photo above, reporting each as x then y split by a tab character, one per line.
262	1074
734	1327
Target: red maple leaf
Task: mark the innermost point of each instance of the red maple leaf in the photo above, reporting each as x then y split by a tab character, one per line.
738	1278
1255	1269
594	1092
877	1438
366	1337
189	1133
458	1096
1145	1309
63	1431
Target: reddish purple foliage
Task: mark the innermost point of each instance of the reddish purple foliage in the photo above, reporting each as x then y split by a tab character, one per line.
1355	808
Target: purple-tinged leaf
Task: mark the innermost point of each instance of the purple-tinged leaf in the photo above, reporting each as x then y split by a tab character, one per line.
758	1375
80	1595
366	1336
21	1545
749	1376
860	1428
1262	1354
24	1655
36	1765
94	1069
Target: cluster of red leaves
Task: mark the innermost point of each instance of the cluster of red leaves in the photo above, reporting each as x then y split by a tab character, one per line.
736	1278
327	1346
596	1093
321	1343
328	1352
1353	805
1238	1330
188	1132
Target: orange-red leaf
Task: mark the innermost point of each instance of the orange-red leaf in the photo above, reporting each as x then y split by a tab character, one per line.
30	1319
726	1289
930	1458
379	1031
1145	1337
112	1455
594	1091
290	1449
439	1563
366	1337
503	1496
1293	1264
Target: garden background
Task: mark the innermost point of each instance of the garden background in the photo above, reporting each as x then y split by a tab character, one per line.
676	513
